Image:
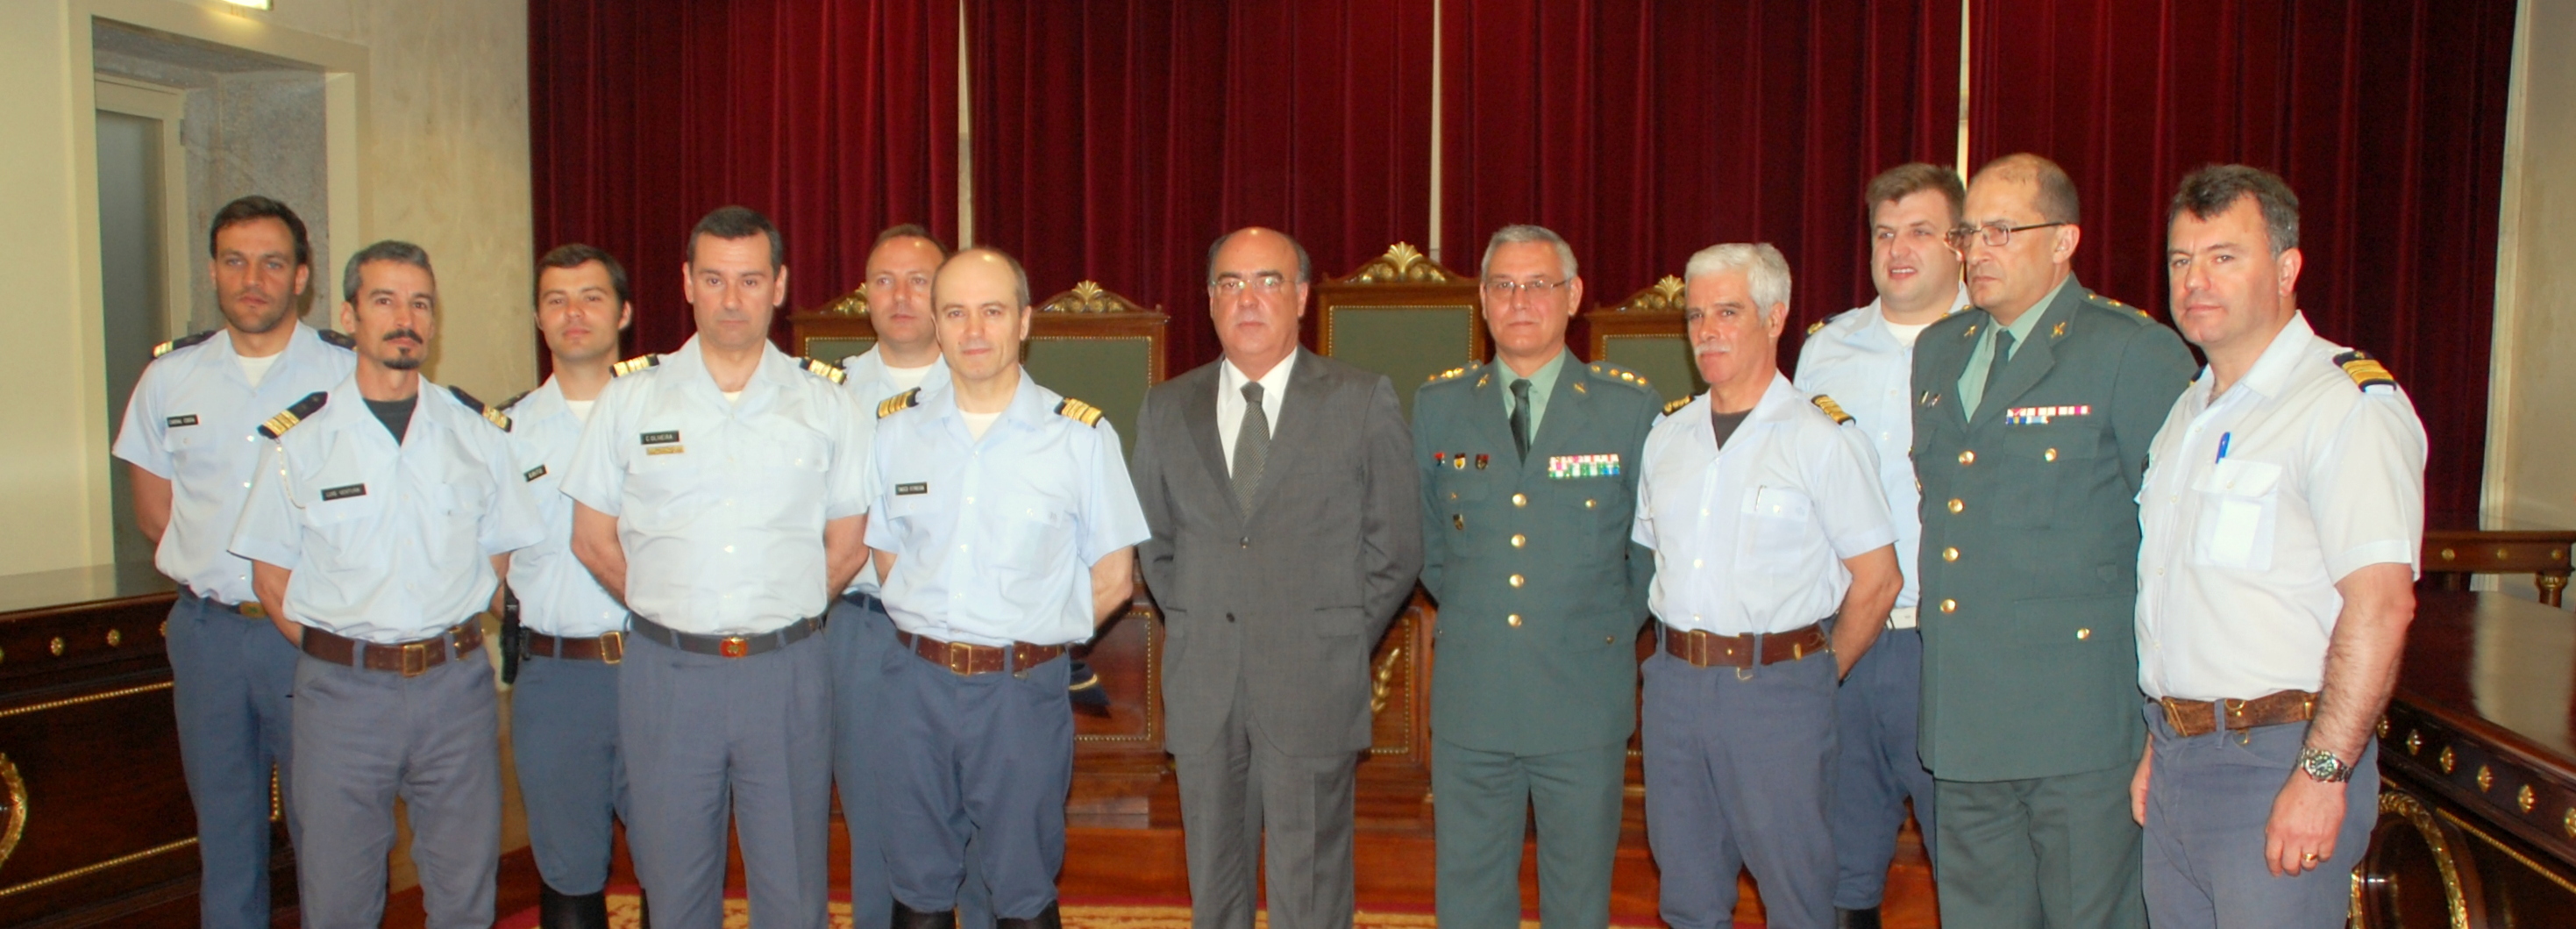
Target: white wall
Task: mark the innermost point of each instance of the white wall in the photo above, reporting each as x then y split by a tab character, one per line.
2531	451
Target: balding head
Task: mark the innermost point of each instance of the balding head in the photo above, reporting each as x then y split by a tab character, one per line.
980	307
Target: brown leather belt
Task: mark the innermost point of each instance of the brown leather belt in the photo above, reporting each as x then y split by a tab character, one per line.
966	658
247	609
2191	718
610	648
1709	650
727	646
406	658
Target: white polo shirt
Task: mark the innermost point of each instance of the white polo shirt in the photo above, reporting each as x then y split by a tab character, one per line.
2255	504
1751	539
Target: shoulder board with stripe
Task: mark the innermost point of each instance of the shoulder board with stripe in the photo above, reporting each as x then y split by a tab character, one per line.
1676	406
899	403
337	337
2366	372
1815	327
1831	408
277	425
495	417
182	342
632	365
1078	411
822	369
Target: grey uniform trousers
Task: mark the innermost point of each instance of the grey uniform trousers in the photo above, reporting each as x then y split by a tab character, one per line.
2208	799
369	737
1877	711
230	679
1737	763
563	737
707	739
1243	801
987	757
862	638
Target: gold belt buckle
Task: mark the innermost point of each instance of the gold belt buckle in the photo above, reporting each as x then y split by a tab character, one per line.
415	658
612	647
734	646
961	659
251	609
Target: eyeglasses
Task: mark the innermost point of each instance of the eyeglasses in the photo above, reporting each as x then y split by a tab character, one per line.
1995	235
1502	291
1230	285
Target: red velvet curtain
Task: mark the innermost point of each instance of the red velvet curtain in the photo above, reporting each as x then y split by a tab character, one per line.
1115	138
834	117
1643	132
2387	117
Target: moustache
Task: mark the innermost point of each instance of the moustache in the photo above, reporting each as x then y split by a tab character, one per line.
403	334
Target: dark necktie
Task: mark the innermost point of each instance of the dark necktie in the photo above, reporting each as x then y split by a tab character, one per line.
1520	416
1995	365
1251	447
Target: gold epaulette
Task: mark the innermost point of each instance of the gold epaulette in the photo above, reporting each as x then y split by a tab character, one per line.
493	416
1815	327
821	369
899	403
182	342
1831	408
1675	406
632	365
1612	372
1450	374
278	424
1078	411
2366	372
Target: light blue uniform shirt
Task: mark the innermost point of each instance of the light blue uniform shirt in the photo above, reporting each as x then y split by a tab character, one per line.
1858	362
1751	539
720	505
389	543
194	420
870	382
557	595
994	539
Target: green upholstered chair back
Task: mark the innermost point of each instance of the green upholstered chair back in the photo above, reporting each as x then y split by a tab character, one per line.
1401	315
1643	333
1100	348
835	330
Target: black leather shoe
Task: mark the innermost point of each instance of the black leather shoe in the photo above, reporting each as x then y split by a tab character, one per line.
908	918
1049	918
1856	919
560	911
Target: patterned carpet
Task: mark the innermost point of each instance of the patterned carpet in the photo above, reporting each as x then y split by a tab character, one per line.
625	912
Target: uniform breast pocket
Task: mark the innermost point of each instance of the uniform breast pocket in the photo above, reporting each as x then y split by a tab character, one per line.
1036	532
1778	527
1458	487
2041	466
2239	506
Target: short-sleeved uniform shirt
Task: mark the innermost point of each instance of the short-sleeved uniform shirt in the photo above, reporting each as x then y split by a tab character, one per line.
1853	358
870	381
1751	538
194	420
720	504
994	539
558	596
388	542
2308	468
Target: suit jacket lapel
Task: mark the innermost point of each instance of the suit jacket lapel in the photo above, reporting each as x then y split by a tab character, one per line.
1952	363
1299	417
2034	358
1198	415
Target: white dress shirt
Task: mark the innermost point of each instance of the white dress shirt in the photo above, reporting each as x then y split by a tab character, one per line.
1857	360
870	381
721	506
2255	504
994	537
558	596
194	420
1751	538
1230	406
388	542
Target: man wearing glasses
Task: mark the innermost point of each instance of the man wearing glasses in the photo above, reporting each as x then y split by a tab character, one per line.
2032	417
1529	480
1280	489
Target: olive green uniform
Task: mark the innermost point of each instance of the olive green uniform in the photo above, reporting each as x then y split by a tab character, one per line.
1541	595
2029	585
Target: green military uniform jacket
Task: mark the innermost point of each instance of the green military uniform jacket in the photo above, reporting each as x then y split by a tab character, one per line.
2030	537
1541	594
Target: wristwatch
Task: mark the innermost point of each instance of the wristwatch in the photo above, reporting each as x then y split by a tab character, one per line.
2322	766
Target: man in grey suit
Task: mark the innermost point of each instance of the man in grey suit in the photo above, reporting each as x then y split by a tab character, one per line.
1280	488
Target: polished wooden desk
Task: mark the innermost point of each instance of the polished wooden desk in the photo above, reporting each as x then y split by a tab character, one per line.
2456	545
2477	807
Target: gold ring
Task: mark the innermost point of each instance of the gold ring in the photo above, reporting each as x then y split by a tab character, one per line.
2309	857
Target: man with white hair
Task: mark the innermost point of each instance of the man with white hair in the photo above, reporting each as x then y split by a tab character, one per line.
1775	566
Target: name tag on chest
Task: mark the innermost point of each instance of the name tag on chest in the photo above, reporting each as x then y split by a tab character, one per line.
178	421
1566	467
343	492
665	442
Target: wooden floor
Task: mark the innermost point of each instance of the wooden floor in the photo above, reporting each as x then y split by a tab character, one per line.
1125	856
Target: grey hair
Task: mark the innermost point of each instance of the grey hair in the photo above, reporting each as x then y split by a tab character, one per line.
394	250
1766	271
1524	232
